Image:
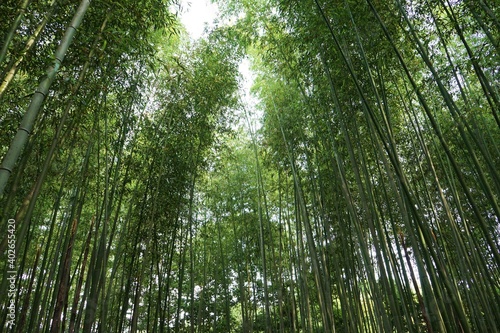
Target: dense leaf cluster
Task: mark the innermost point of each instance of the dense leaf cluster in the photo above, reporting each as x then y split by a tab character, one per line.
146	200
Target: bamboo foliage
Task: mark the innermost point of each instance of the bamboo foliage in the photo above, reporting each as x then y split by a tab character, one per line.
435	234
147	197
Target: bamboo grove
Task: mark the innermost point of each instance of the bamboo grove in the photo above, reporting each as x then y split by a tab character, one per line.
140	193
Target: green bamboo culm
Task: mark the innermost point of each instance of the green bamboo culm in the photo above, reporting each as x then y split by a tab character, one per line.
27	123
356	191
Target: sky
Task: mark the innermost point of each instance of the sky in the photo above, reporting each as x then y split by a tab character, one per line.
195	14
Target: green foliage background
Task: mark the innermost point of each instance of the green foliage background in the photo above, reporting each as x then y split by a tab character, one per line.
147	199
